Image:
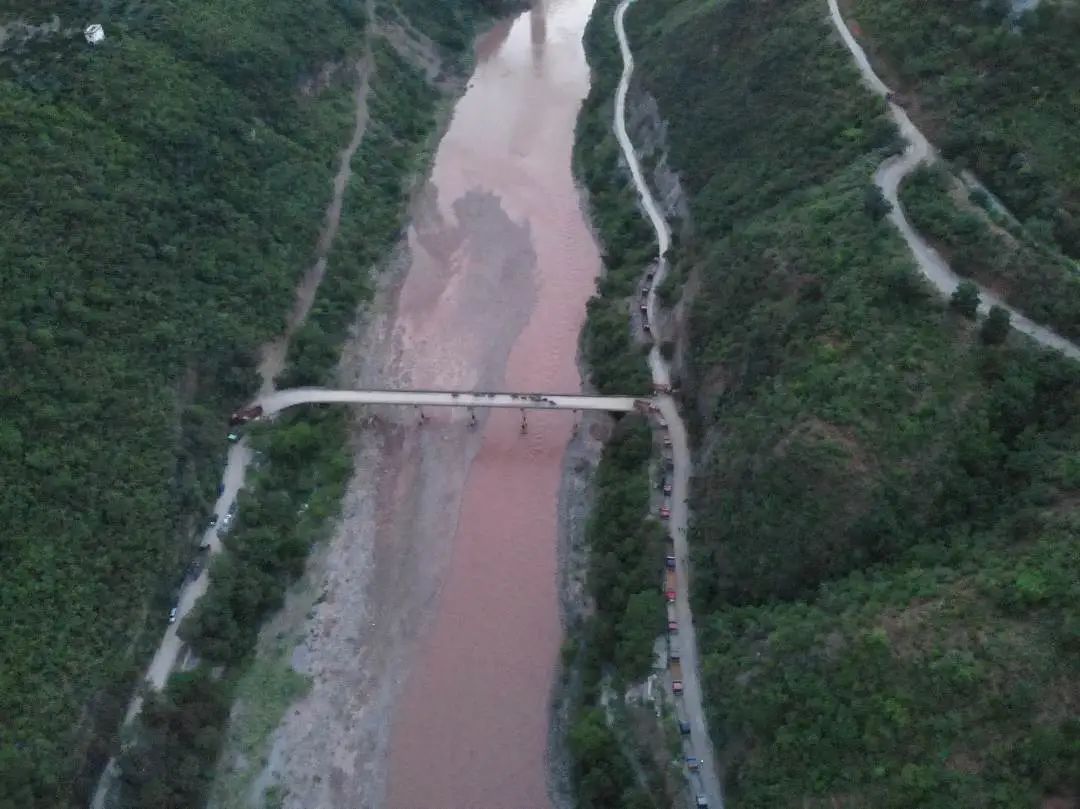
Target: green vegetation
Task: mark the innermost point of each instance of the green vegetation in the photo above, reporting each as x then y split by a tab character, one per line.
965	299
401	110
885	534
615	364
996	92
624	574
995	329
181	734
262	694
303	463
1039	282
161	194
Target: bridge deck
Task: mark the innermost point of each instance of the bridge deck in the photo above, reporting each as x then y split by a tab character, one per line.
280	400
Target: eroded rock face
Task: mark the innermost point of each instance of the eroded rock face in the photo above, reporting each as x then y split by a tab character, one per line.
649	133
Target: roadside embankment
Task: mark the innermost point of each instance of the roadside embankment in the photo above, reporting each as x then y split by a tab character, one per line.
871	504
298	484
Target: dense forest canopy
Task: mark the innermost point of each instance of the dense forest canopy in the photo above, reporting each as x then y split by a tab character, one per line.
161	193
995	84
886	539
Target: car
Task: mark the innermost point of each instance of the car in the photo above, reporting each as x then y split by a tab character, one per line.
649	275
702	802
693	764
667	487
673	627
670	562
233	437
204	546
645	326
669	464
213	520
172	615
644	291
662	422
674	652
667	440
684	727
665	512
220	489
670	596
676	687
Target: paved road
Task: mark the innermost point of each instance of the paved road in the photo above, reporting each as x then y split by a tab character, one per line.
699	743
892	172
279	400
168	652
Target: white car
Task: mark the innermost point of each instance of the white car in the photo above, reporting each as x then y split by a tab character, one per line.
172	615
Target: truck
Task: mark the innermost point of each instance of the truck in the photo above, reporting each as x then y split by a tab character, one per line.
244	415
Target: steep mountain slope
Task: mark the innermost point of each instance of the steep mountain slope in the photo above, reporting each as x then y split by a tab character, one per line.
995	87
885	506
162	191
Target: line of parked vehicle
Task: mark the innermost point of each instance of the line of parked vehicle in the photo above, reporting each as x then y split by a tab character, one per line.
196	565
693	763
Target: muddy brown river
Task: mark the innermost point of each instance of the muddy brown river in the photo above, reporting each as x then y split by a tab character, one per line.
502	265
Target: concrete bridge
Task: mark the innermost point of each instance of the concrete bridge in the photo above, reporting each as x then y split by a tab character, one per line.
280	400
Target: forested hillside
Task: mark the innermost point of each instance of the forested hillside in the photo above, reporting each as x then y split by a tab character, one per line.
161	194
885	531
995	86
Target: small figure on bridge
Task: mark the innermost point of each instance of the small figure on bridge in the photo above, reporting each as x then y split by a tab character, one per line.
472	417
524	423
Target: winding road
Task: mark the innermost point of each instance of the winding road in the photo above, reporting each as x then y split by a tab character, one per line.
706	781
891	173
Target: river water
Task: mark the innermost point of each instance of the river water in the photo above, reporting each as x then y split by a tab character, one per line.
502	265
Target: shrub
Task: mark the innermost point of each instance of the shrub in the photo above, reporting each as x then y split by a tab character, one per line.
965	299
996	326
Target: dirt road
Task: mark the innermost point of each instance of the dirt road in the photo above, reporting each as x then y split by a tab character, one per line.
699	744
239	456
891	173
